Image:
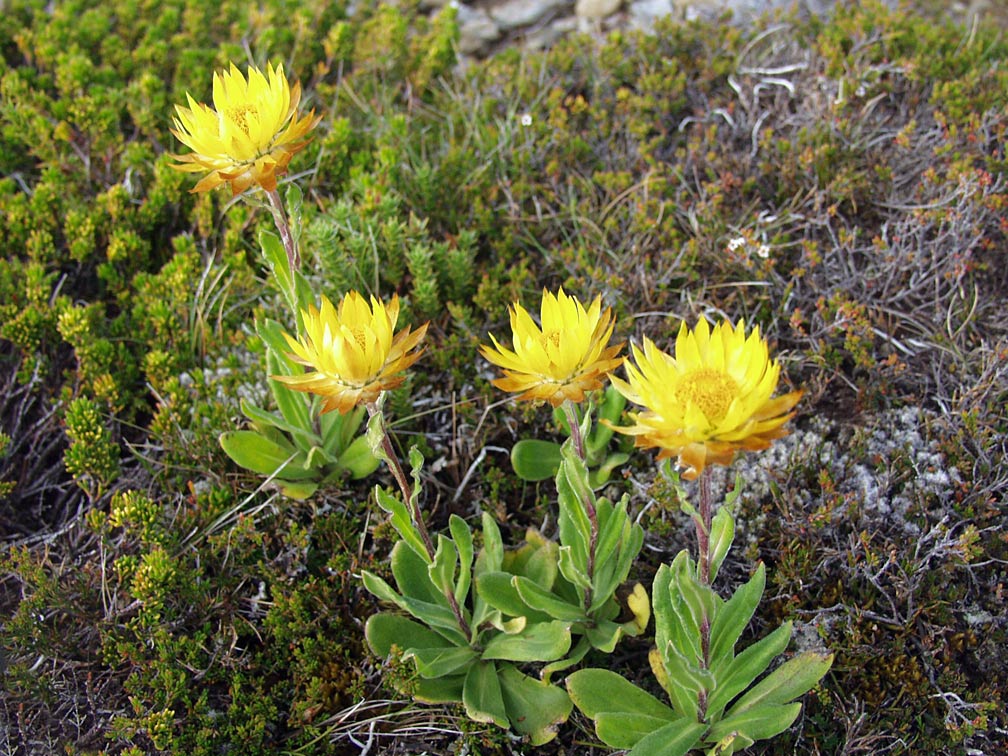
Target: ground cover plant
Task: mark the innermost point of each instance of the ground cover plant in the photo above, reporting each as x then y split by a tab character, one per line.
838	182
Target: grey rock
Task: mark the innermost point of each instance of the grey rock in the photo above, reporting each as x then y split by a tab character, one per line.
644	13
476	30
595	9
513	14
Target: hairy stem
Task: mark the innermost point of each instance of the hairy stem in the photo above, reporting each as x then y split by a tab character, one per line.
586	500
703	528
283	227
392	459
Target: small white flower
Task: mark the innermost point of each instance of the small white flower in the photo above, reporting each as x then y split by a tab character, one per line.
526	119
763	251
738	241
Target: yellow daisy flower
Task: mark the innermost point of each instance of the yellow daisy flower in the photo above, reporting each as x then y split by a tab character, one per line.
710	400
563	359
353	351
249	135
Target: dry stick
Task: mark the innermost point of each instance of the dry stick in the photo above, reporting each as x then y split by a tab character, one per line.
283	226
589	505
414	508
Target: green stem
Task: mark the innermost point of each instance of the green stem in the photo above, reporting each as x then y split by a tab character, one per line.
392	459
703	529
283	227
589	505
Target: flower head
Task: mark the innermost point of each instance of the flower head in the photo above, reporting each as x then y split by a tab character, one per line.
249	135
710	400
353	351
564	358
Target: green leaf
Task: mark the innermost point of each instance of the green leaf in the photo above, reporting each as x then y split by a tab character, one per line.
604	635
293	405
620	729
758	723
570	570
411	575
383	630
482	697
438	689
497	590
534	460
684	699
536	559
598	690
675	739
610	410
541	642
491	556
734	615
276	259
736	675
442	569
298	491
440	662
535	708
261	455
402	522
434	615
791	679
261	417
545	601
358	458
721	536
462	536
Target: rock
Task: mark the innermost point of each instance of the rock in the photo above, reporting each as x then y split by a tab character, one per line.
595	9
512	14
644	13
547	36
476	30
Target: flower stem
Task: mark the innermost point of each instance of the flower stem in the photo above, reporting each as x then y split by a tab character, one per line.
392	459
283	227
703	529
586	499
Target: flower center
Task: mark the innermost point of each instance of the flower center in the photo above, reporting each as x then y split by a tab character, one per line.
239	116
709	389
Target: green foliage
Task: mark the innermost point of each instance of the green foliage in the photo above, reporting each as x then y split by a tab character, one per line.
92	457
715	701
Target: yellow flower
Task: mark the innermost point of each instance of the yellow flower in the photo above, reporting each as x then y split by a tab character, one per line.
710	400
249	135
565	358
353	351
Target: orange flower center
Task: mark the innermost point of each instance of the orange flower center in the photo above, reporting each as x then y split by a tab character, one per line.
709	389
239	116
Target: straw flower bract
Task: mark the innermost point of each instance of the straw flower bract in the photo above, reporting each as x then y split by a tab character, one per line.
565	357
711	399
354	351
248	136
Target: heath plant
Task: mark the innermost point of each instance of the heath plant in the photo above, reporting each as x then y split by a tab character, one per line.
472	622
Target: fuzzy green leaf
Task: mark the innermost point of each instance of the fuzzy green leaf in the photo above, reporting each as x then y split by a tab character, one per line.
411	575
721	536
442	569
793	678
736	675
481	695
402	522
440	662
384	630
261	455
541	642
358	458
599	690
545	601
534	707
758	723
734	615
463	539
675	739
534	460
